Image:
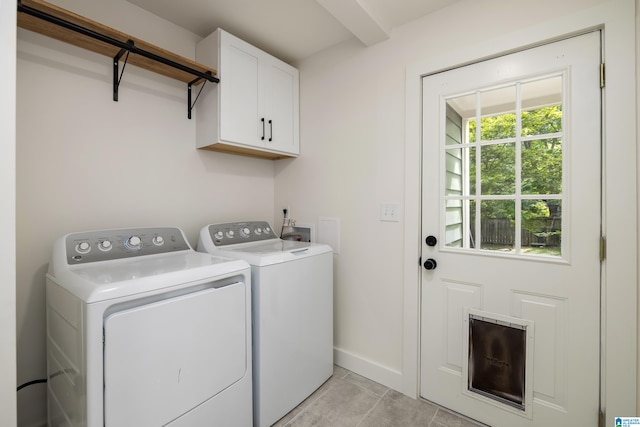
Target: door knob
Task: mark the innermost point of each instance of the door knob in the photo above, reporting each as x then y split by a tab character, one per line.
431	240
430	264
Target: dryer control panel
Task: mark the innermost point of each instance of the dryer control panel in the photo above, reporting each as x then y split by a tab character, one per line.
232	233
103	245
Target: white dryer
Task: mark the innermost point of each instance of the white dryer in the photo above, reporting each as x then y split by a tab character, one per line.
292	291
144	331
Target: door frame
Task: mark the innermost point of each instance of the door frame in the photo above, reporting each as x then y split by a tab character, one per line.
8	371
619	366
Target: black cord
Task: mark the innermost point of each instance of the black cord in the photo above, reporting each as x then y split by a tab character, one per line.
27	384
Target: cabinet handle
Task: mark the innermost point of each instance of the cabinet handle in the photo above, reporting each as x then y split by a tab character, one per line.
271	130
262	120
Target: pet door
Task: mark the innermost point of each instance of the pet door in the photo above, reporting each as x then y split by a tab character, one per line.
498	361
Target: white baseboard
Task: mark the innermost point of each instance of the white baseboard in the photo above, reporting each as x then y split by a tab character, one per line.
374	371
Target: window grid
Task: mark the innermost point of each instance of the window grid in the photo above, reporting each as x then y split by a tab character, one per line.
466	199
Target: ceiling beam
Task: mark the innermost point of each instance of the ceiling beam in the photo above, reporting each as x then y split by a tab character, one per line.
358	19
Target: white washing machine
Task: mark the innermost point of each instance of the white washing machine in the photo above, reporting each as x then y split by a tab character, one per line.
144	331
292	288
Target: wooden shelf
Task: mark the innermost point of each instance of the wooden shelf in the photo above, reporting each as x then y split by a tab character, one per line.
245	151
58	32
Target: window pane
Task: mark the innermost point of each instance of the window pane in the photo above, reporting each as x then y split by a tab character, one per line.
472	130
454	223
497	169
542	166
454	131
453	160
497	112
472	223
542	121
498	127
542	227
472	170
464	105
496	225
453	207
458	109
542	106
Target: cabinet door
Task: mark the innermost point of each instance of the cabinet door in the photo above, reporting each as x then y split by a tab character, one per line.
240	67
281	102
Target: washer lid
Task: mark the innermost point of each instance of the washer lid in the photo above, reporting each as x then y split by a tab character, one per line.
273	251
117	278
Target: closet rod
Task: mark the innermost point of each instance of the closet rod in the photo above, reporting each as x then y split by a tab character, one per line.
105	39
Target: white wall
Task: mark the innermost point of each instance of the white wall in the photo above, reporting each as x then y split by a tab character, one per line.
351	160
352	145
7	214
87	162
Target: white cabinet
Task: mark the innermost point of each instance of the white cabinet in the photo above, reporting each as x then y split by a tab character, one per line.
253	111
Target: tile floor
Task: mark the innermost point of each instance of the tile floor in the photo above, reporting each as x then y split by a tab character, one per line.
350	400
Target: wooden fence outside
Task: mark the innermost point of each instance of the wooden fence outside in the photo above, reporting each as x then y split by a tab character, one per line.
500	231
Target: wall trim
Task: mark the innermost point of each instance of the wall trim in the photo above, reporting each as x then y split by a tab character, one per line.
619	301
371	370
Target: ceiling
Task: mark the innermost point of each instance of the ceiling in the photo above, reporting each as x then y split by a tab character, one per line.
294	29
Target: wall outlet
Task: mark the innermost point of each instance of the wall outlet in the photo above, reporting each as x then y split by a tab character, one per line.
390	212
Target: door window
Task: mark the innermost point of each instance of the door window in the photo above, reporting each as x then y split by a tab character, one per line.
504	177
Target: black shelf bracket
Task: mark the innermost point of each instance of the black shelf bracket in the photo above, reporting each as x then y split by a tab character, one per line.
189	104
128	47
117	78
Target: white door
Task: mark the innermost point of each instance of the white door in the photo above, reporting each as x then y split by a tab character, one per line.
510	331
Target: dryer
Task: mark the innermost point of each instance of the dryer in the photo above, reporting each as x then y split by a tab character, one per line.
292	292
144	331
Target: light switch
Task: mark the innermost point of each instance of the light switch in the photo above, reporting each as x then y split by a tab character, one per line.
390	212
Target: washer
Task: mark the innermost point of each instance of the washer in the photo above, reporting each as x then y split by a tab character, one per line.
292	288
144	331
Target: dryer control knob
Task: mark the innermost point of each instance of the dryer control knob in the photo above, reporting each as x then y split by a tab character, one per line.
105	245
133	242
158	240
83	247
258	230
245	232
230	234
218	235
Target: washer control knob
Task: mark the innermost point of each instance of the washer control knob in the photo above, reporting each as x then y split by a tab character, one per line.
245	232
218	235
158	240
105	245
267	230
83	247
258	230
133	242
230	234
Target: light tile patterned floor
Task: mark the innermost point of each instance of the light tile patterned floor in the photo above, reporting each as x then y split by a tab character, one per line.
350	400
